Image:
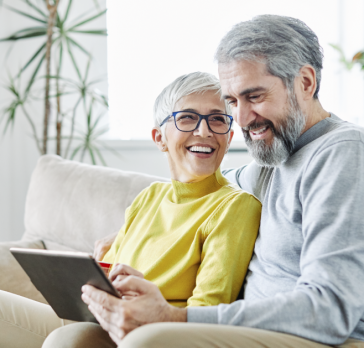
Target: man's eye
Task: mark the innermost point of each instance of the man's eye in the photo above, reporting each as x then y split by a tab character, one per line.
231	102
254	97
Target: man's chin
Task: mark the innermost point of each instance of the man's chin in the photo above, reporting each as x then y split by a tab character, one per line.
272	155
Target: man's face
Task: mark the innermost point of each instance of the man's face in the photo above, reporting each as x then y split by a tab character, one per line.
270	117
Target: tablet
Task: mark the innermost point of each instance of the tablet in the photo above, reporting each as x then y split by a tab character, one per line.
59	276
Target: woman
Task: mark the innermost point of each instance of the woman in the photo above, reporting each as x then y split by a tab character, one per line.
193	237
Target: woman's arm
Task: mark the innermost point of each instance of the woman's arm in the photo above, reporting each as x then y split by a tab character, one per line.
227	251
102	246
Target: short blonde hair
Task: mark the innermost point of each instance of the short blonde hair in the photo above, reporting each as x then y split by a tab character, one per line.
196	82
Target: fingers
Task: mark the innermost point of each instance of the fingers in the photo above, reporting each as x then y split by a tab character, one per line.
100	250
110	312
132	284
116	333
124	270
102	246
92	295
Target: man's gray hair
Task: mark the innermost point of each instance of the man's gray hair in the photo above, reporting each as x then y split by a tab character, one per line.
284	44
197	82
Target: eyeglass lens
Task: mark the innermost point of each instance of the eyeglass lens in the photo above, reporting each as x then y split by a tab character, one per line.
187	122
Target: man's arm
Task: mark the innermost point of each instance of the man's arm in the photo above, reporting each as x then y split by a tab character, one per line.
118	317
327	303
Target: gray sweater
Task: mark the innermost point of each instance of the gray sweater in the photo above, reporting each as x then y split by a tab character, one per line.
306	277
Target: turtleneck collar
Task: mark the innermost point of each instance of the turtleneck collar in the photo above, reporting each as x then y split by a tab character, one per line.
186	192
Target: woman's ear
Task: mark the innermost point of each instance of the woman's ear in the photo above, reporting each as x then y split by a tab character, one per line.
230	134
158	139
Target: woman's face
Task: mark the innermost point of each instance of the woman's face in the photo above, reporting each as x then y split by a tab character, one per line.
187	165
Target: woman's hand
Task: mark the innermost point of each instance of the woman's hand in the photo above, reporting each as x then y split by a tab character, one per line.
102	246
119	273
119	317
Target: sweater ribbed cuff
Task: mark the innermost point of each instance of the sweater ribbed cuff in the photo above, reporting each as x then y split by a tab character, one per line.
207	315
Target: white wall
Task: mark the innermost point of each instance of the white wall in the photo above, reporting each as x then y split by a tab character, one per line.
18	153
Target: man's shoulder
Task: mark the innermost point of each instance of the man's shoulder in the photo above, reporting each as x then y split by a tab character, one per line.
343	134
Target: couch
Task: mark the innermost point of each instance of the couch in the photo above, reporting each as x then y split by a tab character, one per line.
69	205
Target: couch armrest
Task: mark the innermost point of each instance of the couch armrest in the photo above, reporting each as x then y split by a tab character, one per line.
12	277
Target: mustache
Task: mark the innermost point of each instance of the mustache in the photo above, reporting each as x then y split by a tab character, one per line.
256	125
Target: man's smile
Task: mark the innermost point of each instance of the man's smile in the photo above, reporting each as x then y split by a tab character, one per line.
259	133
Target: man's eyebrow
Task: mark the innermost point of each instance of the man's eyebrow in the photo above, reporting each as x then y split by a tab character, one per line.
246	91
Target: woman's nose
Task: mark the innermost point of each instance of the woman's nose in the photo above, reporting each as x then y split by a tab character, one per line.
203	130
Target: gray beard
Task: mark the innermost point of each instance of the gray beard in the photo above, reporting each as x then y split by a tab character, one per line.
285	135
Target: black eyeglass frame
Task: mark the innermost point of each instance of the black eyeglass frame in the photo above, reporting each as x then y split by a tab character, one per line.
201	117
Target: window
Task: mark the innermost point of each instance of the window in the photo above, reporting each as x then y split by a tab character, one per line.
151	43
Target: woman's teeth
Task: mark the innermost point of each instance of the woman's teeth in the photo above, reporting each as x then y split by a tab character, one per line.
260	131
200	149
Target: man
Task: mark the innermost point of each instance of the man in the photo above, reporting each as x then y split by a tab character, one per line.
306	282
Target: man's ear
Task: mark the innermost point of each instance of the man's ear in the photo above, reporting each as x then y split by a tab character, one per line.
307	81
158	139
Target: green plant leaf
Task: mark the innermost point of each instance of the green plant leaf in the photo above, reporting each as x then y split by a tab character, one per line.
32	79
67	11
108	148
82	15
93	32
75	151
60	59
31	34
87	20
86	73
25	14
36	8
73	42
58	24
100	132
100	157
73	59
348	65
91	155
97	4
35	55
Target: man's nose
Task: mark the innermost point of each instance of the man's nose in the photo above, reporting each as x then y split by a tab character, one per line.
203	130
243	115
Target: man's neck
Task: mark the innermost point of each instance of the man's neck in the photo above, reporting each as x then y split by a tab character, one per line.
315	114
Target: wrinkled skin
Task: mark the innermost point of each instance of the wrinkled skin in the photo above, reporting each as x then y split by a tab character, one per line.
141	303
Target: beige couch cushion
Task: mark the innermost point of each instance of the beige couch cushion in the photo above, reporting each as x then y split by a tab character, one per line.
70	204
12	277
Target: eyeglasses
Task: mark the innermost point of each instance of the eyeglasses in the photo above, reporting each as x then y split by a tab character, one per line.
188	121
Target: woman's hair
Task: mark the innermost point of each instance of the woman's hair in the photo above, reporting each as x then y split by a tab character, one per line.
284	44
197	82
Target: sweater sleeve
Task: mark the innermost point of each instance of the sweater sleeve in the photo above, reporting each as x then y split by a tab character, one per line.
327	302
227	251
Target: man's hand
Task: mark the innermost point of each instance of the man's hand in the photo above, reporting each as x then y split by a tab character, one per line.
102	246
119	273
118	317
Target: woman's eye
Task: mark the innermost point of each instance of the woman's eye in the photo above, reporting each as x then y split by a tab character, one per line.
232	102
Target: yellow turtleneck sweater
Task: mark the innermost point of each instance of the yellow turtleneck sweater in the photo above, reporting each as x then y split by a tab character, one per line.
193	240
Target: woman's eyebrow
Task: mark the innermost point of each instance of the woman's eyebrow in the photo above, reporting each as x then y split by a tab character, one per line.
211	111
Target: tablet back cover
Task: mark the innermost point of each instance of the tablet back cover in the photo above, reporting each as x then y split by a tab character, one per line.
60	279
